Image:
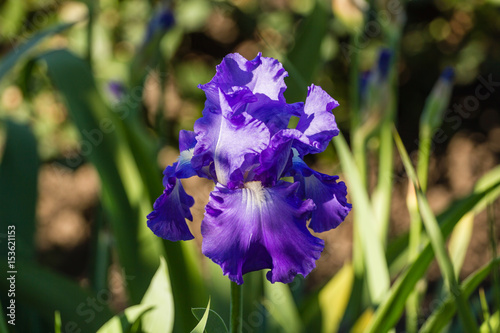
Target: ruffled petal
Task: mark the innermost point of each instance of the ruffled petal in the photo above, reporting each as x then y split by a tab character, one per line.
170	211
328	195
167	220
255	227
275	114
231	142
261	76
317	122
277	157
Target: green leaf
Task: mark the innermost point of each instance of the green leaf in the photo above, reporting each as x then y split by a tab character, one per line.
336	291
437	241
215	323
376	266
459	241
202	324
57	322
443	314
280	304
48	292
304	58
492	324
390	310
102	140
125	321
159	296
18	187
11	59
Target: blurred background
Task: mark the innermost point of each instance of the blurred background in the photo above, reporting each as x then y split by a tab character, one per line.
147	58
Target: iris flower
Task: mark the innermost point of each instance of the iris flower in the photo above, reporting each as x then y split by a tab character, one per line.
255	219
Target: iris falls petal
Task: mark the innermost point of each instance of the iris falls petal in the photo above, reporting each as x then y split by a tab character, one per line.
255	227
170	211
328	195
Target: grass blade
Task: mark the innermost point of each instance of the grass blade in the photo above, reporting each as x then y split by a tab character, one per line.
200	327
459	241
50	292
390	310
437	241
442	316
18	187
307	46
123	192
336	291
214	323
376	266
11	59
126	320
281	305
159	297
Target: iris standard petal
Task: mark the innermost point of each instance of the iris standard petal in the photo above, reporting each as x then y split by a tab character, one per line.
261	75
170	211
317	122
232	143
328	195
255	227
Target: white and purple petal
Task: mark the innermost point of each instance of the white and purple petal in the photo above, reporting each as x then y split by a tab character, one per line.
261	75
317	122
232	142
170	211
255	227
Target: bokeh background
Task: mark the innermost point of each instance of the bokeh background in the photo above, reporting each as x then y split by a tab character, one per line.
175	45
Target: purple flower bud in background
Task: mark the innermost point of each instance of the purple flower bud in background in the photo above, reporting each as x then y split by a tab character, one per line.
448	74
117	89
254	218
437	101
161	22
383	65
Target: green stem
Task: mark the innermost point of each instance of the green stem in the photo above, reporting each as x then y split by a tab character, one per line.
236	309
424	151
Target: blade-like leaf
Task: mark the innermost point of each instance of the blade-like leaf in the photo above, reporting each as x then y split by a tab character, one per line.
102	143
18	187
336	291
200	327
126	320
280	304
437	241
47	292
18	52
303	59
390	310
459	241
376	266
159	296
215	323
443	314
492	324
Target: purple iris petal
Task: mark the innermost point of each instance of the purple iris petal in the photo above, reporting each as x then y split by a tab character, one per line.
261	75
255	227
318	122
167	220
328	195
254	220
232	143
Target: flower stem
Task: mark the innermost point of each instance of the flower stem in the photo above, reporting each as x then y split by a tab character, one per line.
236	309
